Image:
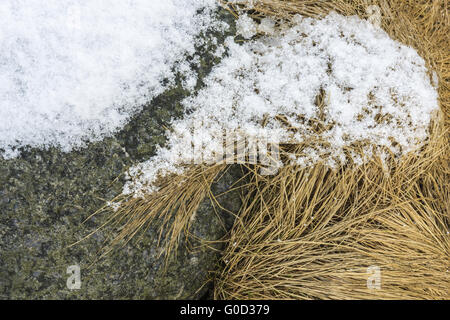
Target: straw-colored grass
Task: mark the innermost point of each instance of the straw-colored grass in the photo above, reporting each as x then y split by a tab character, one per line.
312	233
174	204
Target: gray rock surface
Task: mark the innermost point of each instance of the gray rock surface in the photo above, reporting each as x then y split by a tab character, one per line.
45	195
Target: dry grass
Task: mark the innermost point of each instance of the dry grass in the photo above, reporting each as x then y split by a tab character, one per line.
174	204
312	233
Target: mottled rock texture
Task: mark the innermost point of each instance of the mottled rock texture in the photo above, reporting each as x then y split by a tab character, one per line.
45	195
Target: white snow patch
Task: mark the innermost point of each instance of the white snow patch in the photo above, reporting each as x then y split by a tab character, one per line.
377	90
75	70
246	27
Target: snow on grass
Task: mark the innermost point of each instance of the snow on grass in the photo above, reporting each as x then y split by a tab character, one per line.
75	70
374	91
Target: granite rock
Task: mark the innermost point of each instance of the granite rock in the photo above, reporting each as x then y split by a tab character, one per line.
46	196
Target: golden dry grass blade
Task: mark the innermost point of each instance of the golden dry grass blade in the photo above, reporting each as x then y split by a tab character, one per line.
312	233
173	205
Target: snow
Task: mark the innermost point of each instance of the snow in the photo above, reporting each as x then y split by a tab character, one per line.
246	27
376	91
73	71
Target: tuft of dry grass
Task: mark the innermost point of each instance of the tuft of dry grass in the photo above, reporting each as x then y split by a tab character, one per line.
312	233
174	204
